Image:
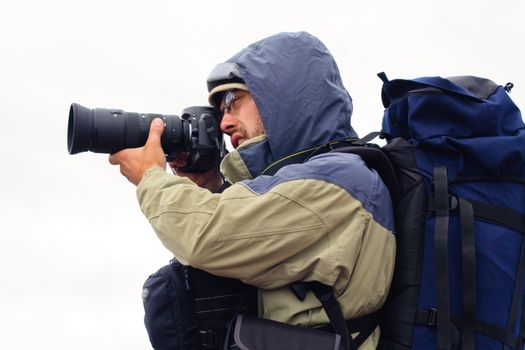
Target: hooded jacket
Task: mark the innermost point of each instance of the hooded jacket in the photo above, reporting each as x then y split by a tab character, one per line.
328	219
299	93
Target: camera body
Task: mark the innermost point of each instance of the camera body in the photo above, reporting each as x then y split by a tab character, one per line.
196	133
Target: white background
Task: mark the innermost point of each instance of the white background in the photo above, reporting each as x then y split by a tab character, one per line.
74	246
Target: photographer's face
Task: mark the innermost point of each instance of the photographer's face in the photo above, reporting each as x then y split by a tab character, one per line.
241	119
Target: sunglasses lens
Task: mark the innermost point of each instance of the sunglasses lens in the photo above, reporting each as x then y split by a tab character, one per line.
228	99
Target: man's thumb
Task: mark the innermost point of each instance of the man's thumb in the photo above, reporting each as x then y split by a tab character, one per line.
155	131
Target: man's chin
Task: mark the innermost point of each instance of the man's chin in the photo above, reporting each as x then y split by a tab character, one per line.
244	143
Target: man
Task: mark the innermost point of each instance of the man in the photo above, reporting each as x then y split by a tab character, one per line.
327	218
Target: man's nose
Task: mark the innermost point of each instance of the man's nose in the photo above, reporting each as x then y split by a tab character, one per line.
228	123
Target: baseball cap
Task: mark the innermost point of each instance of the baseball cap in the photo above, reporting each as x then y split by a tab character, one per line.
224	77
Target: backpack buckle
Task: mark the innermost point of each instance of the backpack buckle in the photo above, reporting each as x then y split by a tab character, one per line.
453	203
431	317
208	339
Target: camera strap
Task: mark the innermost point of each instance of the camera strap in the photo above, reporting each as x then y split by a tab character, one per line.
304	155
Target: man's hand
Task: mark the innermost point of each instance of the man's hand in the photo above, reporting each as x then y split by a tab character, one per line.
211	179
135	161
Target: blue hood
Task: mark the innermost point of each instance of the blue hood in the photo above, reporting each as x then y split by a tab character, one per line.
298	90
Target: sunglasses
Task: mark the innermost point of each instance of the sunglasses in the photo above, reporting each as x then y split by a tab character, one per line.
228	99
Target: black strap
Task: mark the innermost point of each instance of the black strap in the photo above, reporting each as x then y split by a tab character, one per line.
335	314
518	287
302	156
242	303
383	77
499	215
208	339
375	158
491	213
446	331
364	325
516	179
522	333
428	317
468	247
330	305
366	139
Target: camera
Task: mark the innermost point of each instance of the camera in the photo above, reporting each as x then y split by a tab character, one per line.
196	133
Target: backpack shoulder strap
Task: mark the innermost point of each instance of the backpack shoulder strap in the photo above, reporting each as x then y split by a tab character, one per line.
365	325
375	158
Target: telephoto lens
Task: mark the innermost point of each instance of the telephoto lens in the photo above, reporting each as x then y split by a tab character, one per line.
103	130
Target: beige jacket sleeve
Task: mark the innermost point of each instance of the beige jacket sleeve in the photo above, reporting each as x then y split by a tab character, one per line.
303	229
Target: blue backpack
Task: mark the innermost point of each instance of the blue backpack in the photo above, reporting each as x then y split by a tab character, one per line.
457	146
